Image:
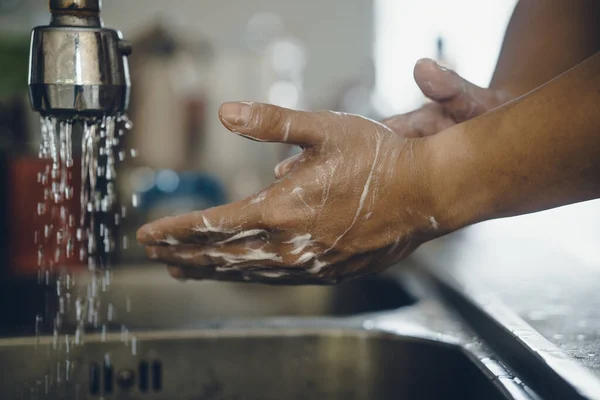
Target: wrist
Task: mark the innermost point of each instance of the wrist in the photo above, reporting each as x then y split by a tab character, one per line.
462	191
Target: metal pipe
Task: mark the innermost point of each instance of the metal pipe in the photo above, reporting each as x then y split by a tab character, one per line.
77	67
79	5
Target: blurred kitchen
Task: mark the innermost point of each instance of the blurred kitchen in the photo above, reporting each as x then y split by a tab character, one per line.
354	56
190	56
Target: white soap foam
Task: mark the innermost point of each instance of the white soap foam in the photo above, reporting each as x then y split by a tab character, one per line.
317	266
300	242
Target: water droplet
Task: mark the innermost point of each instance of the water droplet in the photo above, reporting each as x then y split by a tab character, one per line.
110	312
135	200
124	334
67	344
40	257
78	309
133	153
38	328
55	339
67	370
70	248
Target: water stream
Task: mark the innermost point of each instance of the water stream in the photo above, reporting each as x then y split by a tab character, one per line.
75	234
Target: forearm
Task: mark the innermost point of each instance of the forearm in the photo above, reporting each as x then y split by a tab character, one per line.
543	40
538	152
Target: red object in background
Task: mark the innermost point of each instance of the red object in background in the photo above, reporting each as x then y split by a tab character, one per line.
24	193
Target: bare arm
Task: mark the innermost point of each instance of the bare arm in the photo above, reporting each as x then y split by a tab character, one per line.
537	152
543	40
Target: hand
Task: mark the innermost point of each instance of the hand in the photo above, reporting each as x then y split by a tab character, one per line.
356	200
455	100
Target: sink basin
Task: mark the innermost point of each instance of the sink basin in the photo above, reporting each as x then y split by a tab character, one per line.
159	302
259	364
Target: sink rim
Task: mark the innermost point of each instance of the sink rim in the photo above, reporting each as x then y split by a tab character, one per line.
254	328
390	325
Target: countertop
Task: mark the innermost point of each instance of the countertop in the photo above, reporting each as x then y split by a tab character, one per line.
544	266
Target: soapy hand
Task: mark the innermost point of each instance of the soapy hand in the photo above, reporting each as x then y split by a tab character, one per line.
454	100
354	201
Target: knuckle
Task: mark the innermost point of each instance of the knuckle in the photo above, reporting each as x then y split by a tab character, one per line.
276	119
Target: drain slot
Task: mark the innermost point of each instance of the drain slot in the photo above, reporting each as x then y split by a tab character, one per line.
144	376
108	378
157	376
94	379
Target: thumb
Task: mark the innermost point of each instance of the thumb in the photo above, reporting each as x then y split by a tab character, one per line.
459	97
268	123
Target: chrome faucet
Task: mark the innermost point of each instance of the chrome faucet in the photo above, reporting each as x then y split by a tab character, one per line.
78	68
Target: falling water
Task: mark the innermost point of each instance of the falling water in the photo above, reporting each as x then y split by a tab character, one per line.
66	236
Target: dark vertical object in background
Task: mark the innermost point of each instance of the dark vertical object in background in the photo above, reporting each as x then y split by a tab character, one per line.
21	298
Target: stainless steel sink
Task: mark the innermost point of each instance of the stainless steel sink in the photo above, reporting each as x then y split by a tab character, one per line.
372	341
146	298
257	363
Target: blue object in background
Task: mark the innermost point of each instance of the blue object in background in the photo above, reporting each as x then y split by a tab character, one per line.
176	193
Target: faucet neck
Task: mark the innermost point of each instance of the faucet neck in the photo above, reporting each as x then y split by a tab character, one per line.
63	20
82	13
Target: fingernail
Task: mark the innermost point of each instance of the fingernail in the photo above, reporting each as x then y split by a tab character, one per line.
440	67
237	114
142	234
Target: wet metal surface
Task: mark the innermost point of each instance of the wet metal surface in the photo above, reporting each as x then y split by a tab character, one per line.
419	351
551	289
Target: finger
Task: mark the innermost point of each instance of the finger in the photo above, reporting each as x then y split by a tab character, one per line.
460	98
184	274
257	275
229	256
284	167
427	120
205	227
268	123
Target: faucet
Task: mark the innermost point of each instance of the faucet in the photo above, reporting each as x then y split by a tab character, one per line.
78	68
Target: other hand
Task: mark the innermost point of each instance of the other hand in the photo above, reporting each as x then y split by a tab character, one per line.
454	100
357	199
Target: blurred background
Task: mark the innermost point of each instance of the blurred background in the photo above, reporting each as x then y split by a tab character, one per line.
190	56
